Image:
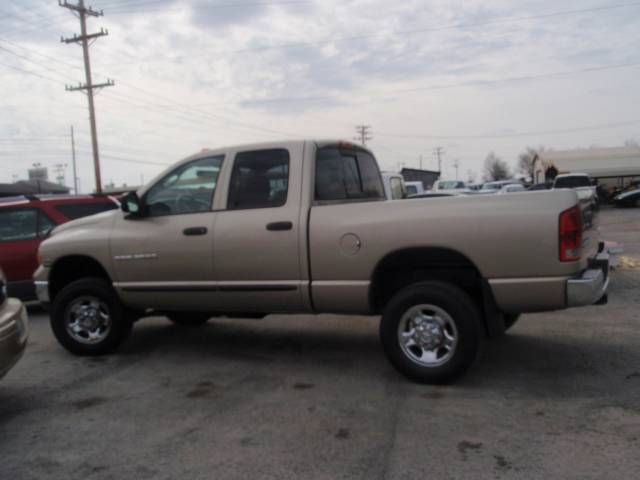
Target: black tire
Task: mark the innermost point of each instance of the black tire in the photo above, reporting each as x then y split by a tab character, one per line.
189	319
462	311
510	320
100	289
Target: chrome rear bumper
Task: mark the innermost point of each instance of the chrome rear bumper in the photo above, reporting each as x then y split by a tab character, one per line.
591	285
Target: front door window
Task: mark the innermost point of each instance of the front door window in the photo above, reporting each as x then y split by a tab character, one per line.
188	189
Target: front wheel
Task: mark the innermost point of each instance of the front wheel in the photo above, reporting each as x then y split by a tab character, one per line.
431	331
87	317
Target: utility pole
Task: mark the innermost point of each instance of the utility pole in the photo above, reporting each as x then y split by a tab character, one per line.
82	13
59	170
438	151
73	160
456	164
364	134
420	161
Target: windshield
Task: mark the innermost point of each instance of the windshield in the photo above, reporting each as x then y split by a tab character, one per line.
491	186
573	182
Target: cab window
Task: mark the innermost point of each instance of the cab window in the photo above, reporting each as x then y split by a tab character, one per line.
187	189
347	175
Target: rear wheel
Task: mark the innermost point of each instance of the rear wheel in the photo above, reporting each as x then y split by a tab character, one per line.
431	331
87	317
189	319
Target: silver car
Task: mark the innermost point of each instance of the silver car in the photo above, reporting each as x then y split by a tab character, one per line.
14	329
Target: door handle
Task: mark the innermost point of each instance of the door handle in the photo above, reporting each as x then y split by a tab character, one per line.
279	226
195	231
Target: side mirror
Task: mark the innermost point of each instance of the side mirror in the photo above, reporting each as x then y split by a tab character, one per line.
132	205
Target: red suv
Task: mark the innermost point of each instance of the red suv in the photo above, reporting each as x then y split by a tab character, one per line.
26	221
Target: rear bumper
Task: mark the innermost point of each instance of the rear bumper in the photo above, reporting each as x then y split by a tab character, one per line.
591	286
14	330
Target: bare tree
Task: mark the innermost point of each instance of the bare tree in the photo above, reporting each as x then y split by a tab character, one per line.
495	168
631	143
527	162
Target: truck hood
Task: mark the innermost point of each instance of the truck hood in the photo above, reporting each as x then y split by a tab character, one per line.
87	236
85	222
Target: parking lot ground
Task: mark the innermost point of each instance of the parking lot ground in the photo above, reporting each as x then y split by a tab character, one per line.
297	397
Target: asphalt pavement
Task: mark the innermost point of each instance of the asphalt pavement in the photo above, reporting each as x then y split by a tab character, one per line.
305	397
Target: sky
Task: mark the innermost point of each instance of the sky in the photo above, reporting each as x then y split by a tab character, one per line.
470	76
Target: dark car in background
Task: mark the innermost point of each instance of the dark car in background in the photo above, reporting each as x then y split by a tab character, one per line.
25	221
629	198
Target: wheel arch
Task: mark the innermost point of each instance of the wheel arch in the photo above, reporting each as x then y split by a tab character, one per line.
404	267
70	268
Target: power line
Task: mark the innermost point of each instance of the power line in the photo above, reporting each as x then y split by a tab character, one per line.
185	109
513	135
332	38
130	7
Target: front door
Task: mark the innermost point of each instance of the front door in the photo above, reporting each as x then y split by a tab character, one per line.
164	260
256	240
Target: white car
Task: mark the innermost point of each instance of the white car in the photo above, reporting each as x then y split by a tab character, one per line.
452	186
581	183
394	188
414	188
512	188
495	187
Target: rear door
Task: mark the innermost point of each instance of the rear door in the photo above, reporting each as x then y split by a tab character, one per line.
256	243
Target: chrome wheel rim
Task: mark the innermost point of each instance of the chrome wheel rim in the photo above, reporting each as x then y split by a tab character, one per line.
88	320
427	335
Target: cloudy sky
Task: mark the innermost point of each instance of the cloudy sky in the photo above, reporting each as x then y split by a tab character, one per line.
471	77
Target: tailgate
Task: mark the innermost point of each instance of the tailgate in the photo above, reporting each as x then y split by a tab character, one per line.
590	231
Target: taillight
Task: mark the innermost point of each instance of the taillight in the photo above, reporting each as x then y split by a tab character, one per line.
570	234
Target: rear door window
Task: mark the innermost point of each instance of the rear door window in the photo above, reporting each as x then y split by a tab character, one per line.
260	179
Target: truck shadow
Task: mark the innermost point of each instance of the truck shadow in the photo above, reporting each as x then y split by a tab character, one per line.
533	363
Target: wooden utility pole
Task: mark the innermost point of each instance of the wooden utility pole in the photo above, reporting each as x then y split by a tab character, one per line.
82	13
364	134
73	159
438	151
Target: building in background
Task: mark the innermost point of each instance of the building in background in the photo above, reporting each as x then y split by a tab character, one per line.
31	187
38	173
427	177
614	167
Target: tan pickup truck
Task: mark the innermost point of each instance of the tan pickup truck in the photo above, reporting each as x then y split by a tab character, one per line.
303	226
